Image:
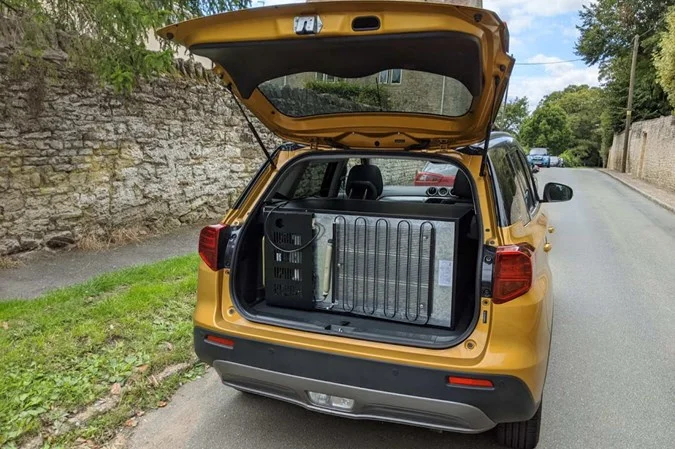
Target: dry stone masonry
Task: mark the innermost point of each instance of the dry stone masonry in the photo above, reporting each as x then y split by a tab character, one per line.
651	151
76	158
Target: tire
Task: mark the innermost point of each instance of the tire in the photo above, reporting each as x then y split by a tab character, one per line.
520	435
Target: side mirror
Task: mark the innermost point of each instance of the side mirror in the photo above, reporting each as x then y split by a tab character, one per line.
555	192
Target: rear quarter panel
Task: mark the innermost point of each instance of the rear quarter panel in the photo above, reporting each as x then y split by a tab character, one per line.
522	327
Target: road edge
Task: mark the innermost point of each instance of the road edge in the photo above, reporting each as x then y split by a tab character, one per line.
650	197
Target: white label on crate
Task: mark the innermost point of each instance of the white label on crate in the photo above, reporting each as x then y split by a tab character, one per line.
445	273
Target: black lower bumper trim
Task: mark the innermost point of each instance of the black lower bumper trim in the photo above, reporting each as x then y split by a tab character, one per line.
510	400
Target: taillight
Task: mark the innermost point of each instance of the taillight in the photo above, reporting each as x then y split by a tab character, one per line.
512	273
211	241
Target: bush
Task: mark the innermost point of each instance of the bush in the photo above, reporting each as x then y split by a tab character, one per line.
571	159
664	59
581	156
107	37
359	93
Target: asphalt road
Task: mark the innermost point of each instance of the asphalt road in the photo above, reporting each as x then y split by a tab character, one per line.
611	380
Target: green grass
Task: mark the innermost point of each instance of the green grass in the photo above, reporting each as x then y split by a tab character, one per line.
64	350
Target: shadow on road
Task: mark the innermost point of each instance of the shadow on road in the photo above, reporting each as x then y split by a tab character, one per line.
291	426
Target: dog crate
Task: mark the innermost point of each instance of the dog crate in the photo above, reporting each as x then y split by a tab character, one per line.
289	259
395	262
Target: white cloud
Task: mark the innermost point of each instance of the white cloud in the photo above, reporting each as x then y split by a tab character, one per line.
536	8
555	77
518	24
521	15
571	32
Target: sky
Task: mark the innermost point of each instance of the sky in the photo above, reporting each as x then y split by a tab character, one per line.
541	31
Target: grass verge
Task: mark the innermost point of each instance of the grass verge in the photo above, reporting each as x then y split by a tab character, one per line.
107	338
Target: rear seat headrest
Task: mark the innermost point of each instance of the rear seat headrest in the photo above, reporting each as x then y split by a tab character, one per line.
462	186
364	182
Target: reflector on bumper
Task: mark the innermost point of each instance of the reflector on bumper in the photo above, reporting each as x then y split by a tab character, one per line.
327	400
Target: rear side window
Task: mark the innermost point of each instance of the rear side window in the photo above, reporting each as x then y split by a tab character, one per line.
312	181
532	199
524	186
510	192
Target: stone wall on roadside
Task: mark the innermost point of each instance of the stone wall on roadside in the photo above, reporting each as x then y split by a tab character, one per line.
79	159
651	151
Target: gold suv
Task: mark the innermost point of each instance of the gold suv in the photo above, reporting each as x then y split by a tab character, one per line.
390	263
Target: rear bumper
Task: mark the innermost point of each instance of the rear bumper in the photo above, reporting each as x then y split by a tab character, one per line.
381	391
368	404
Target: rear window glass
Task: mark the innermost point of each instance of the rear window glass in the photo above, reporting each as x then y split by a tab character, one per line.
394	90
400	177
512	196
311	181
398	172
440	169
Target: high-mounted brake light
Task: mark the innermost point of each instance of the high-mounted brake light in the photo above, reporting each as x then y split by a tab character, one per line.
512	273
210	240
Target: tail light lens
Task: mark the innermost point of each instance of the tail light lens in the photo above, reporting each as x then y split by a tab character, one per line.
212	241
512	273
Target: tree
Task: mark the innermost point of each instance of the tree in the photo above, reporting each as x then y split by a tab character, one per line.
109	36
664	59
607	29
547	127
584	106
512	115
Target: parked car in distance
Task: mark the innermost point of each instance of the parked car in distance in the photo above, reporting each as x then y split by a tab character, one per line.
540	157
436	175
554	161
332	286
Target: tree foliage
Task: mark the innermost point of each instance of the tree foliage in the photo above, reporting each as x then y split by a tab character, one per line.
512	115
110	36
607	30
548	127
584	106
664	59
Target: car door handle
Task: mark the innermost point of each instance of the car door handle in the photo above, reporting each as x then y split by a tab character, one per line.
548	247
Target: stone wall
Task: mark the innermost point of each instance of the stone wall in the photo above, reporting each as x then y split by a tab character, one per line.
651	151
300	102
77	159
